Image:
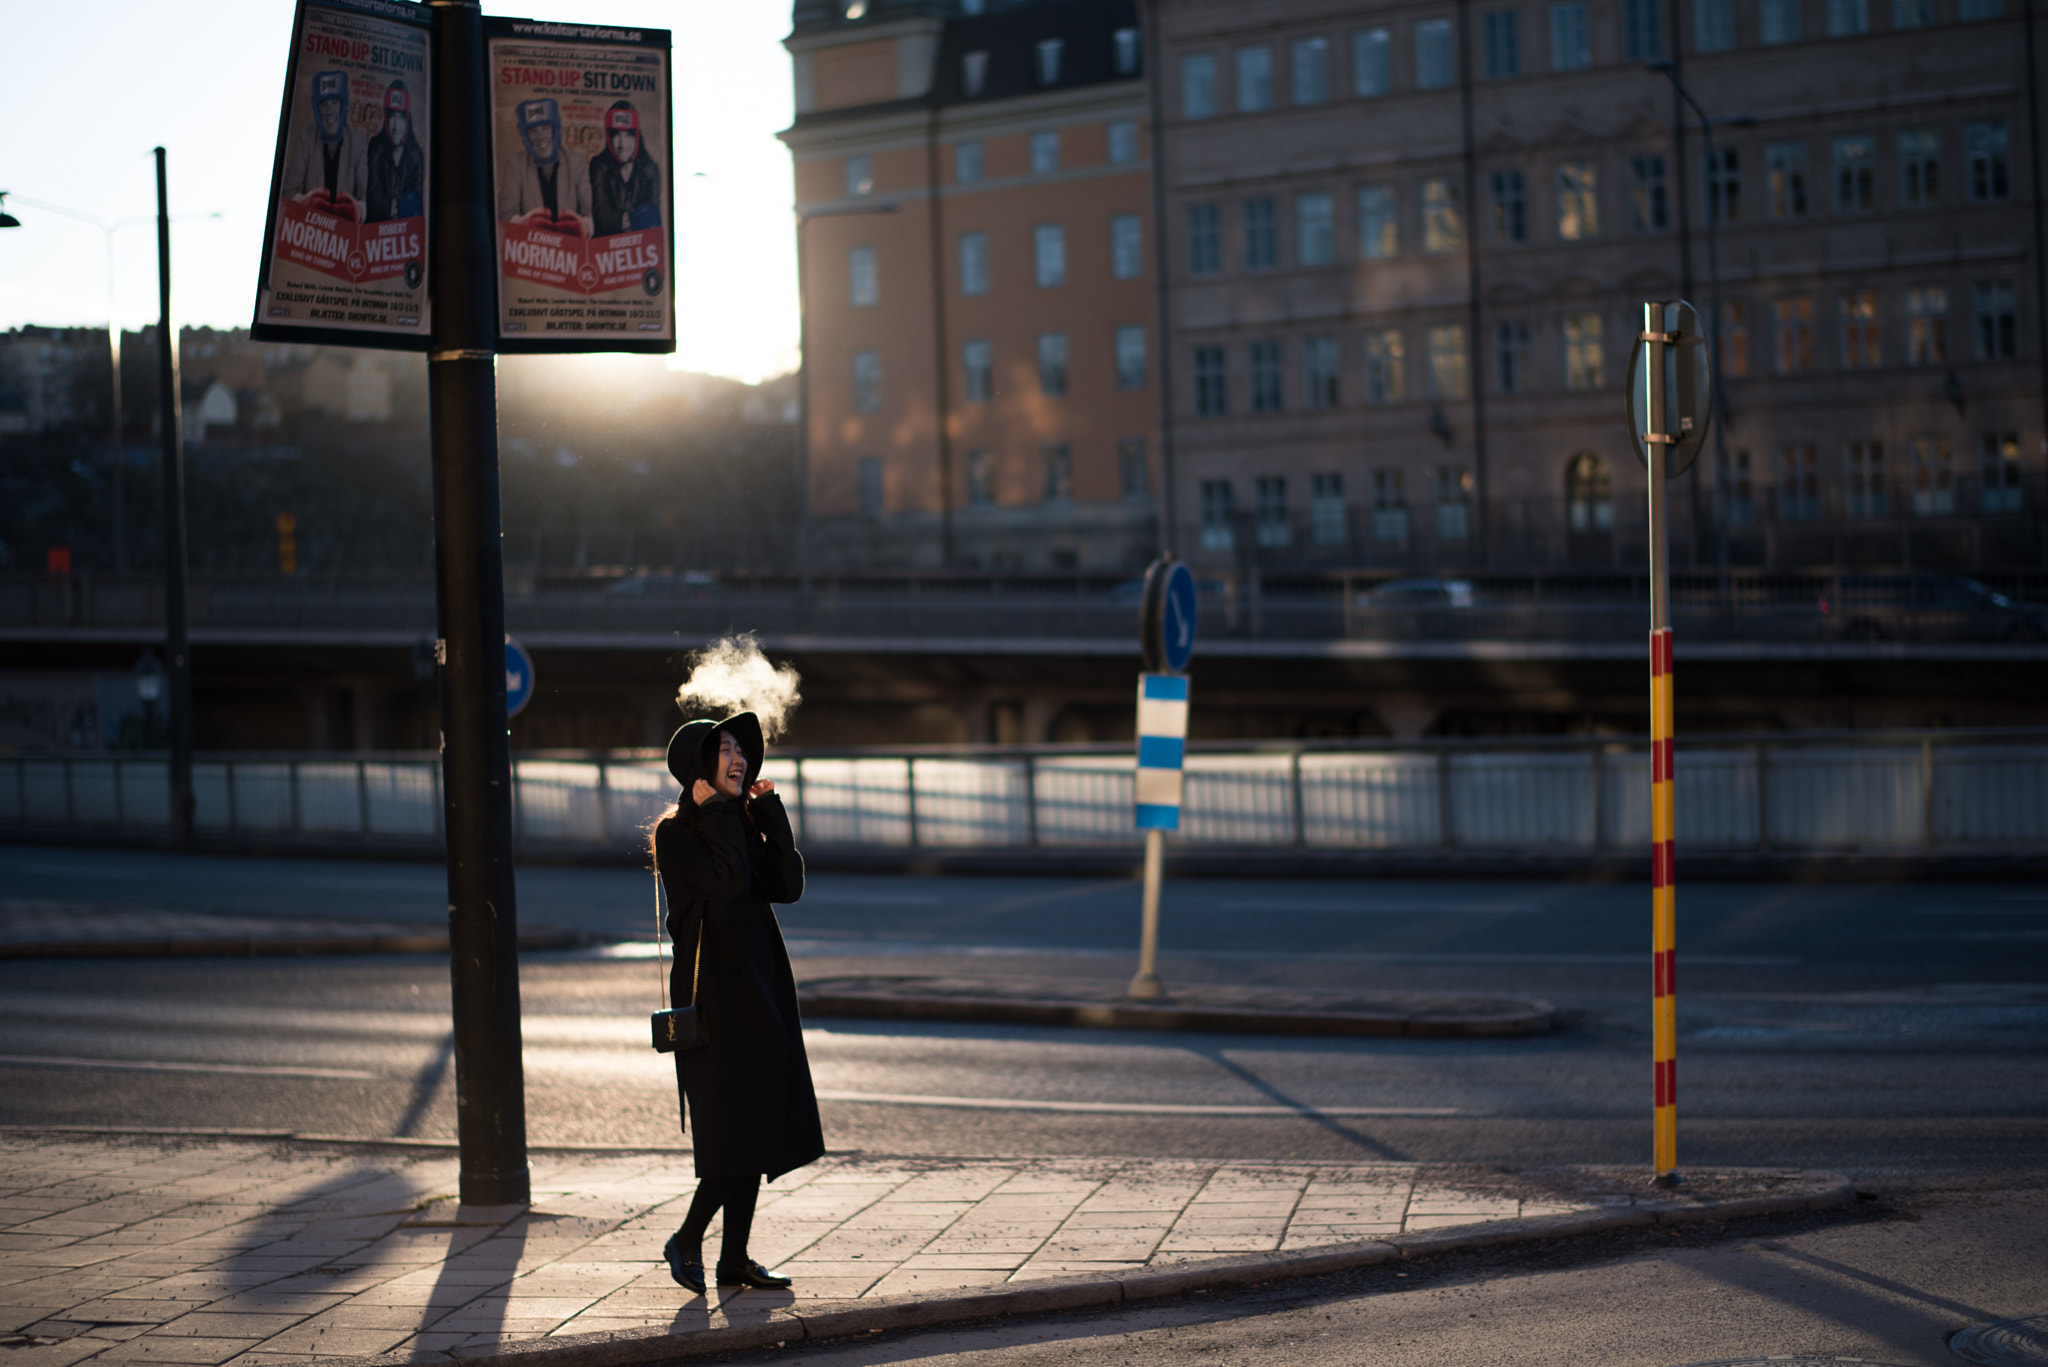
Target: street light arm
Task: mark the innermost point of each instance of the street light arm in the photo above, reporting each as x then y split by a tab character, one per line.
1670	73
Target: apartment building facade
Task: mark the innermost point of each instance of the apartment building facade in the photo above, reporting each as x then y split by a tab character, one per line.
973	183
1409	243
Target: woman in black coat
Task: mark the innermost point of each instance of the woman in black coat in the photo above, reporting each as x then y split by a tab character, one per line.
723	853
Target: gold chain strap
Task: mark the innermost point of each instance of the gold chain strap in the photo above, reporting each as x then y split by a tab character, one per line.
660	972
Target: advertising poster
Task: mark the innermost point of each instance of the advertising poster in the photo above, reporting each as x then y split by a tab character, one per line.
582	166
345	249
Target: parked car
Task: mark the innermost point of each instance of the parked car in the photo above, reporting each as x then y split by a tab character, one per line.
1421	592
1924	607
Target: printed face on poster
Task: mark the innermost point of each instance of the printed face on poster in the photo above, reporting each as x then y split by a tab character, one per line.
581	154
345	250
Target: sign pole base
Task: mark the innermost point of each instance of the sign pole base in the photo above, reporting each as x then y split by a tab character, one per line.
1145	986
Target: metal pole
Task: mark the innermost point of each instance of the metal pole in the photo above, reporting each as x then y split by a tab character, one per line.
2034	187
1475	316
1714	350
803	404
1145	986
114	418
1663	923
176	648
941	361
1169	510
462	383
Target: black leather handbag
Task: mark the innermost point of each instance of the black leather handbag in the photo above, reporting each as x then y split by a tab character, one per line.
681	1027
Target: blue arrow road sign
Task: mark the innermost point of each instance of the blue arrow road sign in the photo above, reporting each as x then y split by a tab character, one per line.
1178	621
518	677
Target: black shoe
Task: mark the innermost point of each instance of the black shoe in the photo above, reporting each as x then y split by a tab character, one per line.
688	1275
750	1273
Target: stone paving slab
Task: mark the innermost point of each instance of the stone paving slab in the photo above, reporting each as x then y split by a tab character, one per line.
211	1250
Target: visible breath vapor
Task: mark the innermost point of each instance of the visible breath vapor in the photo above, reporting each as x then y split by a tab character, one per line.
732	675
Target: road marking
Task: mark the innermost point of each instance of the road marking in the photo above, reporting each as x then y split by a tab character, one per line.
880	899
1000	1103
140	1066
1476	908
809	948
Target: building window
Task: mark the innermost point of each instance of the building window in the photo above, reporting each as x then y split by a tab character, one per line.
1205	240
1309	61
1315	230
1134	474
967	163
1585	362
1266	377
1934	478
1568	47
1855	176
1984	144
1271	509
1261	236
1441	229
868	471
1501	39
1862	341
1863	492
1130	357
974	263
973	73
1198	86
1378	238
1919	168
1123	142
1319	372
1713	25
1794	316
1453	503
1798	482
1045	153
1433	54
1385	373
1212	388
1124	51
1741	490
1642	32
1723	176
1329	521
867	381
1216	511
1059	472
1778	21
1510	216
1734	339
981	479
1912	13
1050	50
1785	180
1578	201
977	372
1648	199
860	274
1390	506
1447	361
1999	472
1052	364
1848	17
1126	247
1254	79
1049	255
1511	357
1369	61
1588	495
860	176
1927	326
1996	309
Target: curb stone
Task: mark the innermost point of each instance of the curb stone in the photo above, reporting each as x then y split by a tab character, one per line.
785	1324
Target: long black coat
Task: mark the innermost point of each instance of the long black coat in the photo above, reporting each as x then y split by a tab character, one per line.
750	1104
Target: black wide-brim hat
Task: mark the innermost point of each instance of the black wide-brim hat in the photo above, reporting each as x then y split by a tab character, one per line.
693	749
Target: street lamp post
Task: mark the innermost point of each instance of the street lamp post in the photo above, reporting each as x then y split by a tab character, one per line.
803	372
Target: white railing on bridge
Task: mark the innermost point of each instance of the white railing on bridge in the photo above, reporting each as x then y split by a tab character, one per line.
1927	792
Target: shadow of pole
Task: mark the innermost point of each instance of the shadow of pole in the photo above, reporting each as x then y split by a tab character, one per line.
1345	1132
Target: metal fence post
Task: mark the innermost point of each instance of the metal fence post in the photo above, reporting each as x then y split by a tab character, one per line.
1599	800
604	803
1443	799
363	797
1294	787
227	770
1927	792
801	786
1763	811
120	806
910	794
1031	800
291	773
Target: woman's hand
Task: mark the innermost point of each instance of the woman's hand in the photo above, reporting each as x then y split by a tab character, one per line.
702	792
761	789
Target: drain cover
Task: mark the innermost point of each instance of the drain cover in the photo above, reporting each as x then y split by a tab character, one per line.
2021	1342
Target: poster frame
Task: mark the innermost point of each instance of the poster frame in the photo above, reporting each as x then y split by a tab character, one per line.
261	329
521	344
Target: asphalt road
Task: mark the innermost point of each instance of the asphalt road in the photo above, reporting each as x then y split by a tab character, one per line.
1878	1029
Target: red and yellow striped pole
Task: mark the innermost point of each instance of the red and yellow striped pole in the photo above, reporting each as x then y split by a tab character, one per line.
1663	907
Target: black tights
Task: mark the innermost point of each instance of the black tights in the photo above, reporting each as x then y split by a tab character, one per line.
737	1195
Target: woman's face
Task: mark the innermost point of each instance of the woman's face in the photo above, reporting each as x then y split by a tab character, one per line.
730	777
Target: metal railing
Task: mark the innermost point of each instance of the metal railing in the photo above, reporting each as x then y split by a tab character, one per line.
1923	792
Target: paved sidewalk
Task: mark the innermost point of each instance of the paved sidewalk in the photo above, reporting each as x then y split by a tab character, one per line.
209	1250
